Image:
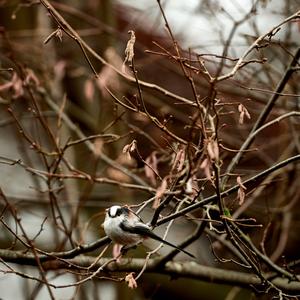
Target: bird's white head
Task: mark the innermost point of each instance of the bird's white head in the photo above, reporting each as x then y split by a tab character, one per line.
116	211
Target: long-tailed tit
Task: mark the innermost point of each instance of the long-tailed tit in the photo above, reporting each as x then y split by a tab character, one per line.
124	227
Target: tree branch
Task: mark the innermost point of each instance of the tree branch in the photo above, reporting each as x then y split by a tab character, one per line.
190	270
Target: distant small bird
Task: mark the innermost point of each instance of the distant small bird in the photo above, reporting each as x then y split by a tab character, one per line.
126	228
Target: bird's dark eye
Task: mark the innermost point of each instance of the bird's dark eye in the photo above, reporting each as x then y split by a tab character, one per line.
119	212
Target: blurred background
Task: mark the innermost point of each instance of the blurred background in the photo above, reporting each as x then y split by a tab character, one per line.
58	213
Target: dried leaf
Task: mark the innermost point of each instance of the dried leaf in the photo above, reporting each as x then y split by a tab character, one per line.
131	281
243	112
160	192
191	186
130	148
129	51
241	190
247	114
241	118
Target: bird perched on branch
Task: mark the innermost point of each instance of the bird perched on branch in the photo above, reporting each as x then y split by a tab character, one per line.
126	228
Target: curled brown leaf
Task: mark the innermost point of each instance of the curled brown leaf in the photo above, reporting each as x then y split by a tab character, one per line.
130	148
129	51
132	284
241	190
243	112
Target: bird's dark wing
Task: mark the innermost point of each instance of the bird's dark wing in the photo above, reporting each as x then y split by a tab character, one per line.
139	228
145	231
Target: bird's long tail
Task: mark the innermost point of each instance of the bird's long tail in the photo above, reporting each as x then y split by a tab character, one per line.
159	239
145	231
